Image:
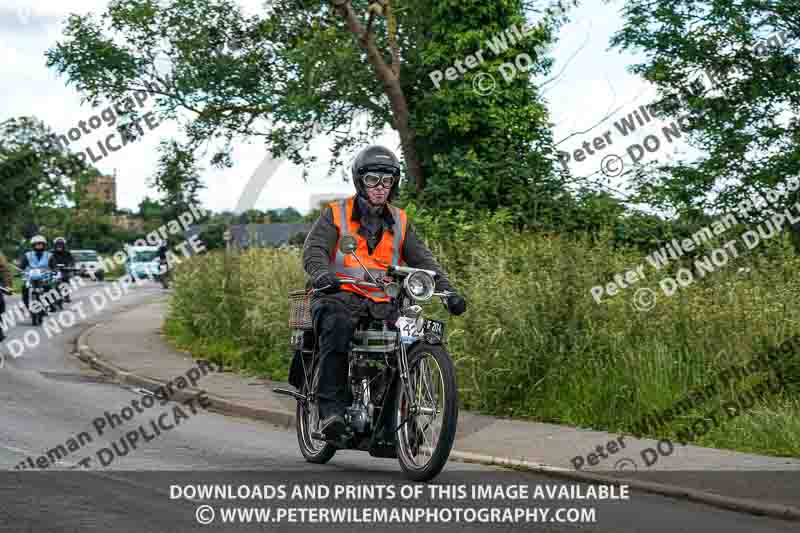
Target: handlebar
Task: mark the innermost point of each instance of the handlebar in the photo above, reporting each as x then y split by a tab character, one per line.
365	284
368	284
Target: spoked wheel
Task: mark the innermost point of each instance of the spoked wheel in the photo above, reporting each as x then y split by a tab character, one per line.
307	422
429	414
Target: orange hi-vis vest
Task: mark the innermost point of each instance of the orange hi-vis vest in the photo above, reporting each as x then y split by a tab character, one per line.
387	252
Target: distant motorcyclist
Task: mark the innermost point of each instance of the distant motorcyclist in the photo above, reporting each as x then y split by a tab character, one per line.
62	256
37	257
6	281
162	253
163	264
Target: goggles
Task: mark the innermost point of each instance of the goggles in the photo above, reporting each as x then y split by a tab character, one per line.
372	179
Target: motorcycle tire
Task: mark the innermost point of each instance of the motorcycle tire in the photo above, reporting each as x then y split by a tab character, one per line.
315	451
408	434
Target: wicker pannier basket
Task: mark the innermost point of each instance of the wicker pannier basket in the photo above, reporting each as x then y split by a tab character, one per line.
300	310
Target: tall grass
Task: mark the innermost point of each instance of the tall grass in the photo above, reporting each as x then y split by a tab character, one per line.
534	343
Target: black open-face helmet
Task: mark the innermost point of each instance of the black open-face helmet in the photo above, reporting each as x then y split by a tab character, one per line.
377	159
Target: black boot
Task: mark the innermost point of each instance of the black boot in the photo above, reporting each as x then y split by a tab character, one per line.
331	417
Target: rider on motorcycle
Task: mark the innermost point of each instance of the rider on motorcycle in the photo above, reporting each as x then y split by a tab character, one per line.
38	257
6	280
382	231
62	256
162	255
163	263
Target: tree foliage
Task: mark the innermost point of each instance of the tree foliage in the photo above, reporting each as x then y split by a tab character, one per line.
34	174
342	68
178	178
731	69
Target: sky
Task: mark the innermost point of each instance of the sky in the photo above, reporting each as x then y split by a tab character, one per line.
587	83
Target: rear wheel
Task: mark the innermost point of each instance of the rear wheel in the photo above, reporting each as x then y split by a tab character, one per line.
307	421
428	413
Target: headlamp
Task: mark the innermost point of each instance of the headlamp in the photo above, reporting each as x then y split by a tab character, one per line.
420	285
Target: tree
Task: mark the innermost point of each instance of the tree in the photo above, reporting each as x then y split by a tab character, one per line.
727	69
287	215
298	239
347	68
35	174
150	209
178	178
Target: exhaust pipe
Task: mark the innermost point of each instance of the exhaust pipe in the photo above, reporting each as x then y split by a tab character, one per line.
293	394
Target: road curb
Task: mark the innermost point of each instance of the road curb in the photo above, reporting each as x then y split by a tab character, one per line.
287	419
218	404
786	512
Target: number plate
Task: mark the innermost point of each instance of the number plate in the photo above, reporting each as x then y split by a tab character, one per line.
409	332
408	329
434	327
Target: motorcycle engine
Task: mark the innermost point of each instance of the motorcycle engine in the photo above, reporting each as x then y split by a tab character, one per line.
358	418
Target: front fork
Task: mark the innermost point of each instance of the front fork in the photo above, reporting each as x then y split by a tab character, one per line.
403	365
412	399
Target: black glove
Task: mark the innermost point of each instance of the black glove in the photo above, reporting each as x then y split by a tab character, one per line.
326	280
456	304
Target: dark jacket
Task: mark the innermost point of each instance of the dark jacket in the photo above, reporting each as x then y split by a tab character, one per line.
323	237
61	258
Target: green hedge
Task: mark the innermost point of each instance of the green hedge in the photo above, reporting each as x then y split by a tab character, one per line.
534	344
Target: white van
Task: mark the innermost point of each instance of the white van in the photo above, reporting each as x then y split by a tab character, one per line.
142	261
88	264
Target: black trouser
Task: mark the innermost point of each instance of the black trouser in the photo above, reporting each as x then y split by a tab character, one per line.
333	324
335	318
26	297
65	277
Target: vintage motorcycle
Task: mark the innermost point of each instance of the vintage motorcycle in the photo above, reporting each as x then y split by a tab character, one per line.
403	383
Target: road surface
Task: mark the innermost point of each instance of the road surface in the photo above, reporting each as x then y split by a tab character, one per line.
49	398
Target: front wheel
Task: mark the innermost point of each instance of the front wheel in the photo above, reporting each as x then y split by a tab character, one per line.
427	412
307	422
